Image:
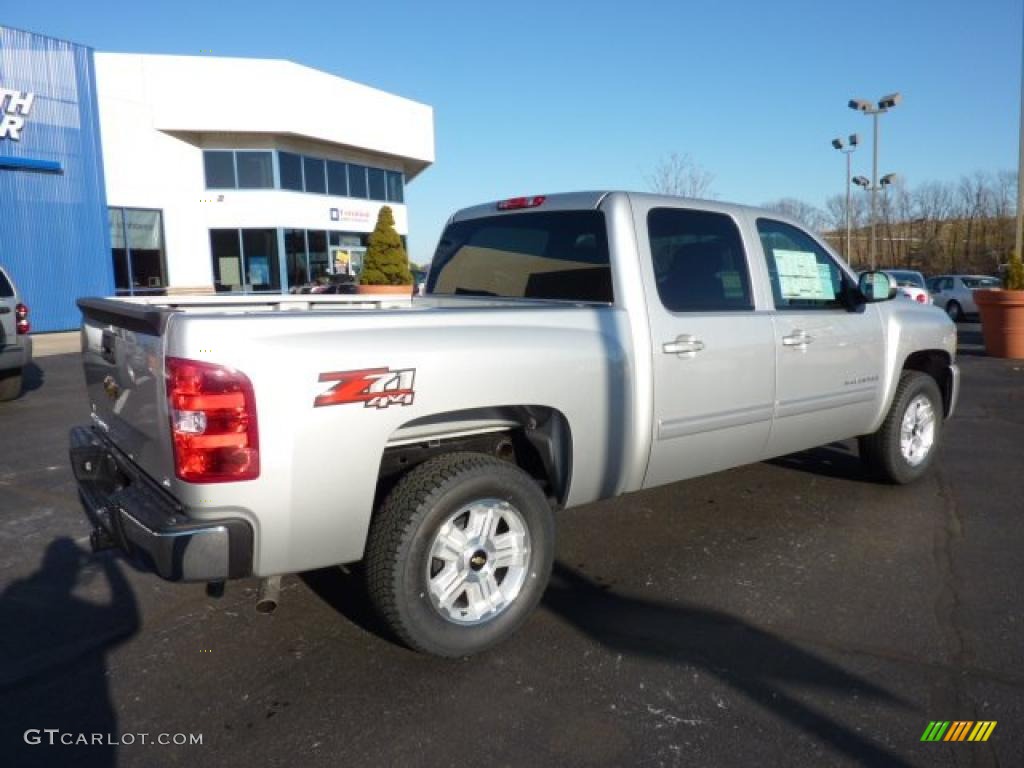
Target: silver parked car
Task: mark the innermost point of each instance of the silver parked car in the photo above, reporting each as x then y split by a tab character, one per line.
953	292
15	343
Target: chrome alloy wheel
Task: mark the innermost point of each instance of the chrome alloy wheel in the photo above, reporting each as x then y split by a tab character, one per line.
478	561
917	430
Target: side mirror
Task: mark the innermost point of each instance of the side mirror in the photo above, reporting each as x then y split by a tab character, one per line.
876	286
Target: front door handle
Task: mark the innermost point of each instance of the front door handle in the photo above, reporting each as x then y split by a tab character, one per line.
685	345
798	339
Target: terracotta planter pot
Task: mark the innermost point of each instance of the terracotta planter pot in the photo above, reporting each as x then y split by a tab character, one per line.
1002	322
391	290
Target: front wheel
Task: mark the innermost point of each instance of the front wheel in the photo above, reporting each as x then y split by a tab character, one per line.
904	446
459	554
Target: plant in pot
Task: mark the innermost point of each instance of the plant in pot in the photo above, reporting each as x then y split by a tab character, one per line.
1002	313
386	265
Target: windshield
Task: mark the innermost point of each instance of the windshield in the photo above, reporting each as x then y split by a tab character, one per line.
545	255
981	282
906	277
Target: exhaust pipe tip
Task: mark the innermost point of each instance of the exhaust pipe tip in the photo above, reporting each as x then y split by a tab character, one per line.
269	595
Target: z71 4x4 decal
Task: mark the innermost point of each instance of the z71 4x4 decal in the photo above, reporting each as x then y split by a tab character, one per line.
373	387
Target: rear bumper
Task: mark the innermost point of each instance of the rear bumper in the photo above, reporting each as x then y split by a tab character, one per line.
148	523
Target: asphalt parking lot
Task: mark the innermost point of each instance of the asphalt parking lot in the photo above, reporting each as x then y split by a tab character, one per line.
786	613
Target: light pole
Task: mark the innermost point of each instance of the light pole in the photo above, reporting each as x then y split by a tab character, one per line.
860	181
884	105
838	144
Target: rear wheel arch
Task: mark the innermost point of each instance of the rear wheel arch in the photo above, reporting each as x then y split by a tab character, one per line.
537	439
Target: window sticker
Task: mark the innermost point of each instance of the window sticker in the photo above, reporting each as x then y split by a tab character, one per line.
800	277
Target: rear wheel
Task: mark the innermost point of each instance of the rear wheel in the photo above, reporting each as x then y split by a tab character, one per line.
459	554
904	446
955	311
10	384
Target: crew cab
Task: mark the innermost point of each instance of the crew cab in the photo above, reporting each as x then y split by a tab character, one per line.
568	348
15	341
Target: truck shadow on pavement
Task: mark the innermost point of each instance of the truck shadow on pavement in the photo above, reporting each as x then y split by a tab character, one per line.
32	378
53	649
763	667
837	460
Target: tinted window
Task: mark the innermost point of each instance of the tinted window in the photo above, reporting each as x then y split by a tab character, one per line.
337	179
227	259
220	169
315	180
561	255
947	284
905	277
802	273
378	184
6	289
699	264
357	180
981	282
290	167
262	271
395	184
255	170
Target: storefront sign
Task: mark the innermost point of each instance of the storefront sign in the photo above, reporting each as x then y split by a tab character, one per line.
15	107
349	214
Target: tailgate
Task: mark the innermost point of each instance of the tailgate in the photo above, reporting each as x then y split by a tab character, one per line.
123	359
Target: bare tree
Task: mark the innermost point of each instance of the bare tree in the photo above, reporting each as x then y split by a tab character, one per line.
682	176
810	215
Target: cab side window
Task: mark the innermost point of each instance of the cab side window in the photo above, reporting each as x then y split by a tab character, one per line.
803	275
699	262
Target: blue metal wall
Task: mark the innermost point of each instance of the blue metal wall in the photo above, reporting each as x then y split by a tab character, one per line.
54	234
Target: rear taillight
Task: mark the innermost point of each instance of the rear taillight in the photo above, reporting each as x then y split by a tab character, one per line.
515	203
922	299
213	422
21	322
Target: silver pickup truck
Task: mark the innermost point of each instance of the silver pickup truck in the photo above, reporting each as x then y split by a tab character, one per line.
568	348
15	341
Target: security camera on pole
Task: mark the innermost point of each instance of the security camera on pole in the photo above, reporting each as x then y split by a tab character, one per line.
884	105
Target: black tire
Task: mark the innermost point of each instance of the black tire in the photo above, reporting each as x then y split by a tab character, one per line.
955	311
881	452
10	384
402	533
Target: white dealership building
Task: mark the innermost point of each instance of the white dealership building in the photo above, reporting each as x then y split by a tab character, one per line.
247	175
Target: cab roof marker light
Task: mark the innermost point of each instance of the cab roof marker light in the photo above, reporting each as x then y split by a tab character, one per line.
516	203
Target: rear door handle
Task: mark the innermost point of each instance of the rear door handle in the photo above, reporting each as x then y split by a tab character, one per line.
798	339
685	345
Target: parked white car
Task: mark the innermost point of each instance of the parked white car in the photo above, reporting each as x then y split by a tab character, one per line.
953	293
911	284
15	343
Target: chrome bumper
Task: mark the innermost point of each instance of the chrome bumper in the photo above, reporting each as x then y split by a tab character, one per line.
140	517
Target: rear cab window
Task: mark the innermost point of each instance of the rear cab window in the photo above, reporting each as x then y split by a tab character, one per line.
6	289
803	275
555	255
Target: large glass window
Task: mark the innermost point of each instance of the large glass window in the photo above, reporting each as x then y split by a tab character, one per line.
378	184
317	242
296	263
396	193
803	275
314	170
357	180
551	255
245	260
255	170
337	179
137	248
259	249
290	167
699	263
220	169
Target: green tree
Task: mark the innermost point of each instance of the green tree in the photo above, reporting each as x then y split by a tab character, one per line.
386	262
